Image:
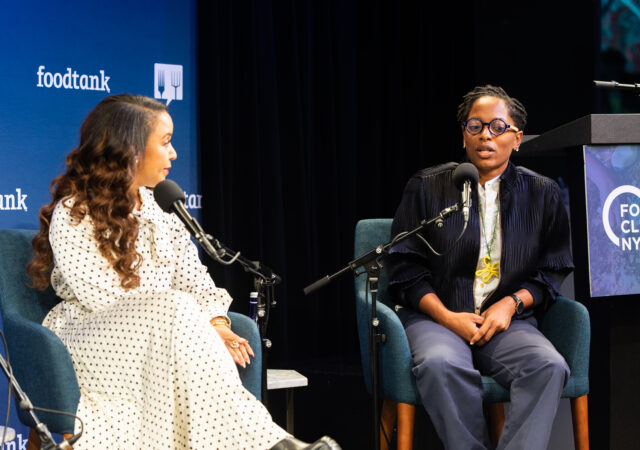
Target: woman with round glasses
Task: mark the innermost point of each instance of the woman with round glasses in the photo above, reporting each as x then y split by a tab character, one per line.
470	311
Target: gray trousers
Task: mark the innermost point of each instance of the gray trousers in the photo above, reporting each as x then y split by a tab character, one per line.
448	375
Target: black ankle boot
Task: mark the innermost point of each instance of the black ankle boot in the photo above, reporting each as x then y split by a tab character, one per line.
291	443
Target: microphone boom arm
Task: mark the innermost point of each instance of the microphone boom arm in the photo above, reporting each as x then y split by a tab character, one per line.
218	252
383	249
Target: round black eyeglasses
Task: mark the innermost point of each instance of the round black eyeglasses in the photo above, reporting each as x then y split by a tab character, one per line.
496	126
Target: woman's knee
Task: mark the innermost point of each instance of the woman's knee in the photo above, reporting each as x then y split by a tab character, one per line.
559	367
170	308
440	363
551	367
171	299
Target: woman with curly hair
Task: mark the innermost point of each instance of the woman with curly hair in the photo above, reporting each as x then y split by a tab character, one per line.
146	327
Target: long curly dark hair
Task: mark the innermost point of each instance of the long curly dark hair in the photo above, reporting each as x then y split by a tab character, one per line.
99	176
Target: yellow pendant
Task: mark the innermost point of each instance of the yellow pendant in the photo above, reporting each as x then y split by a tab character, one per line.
489	270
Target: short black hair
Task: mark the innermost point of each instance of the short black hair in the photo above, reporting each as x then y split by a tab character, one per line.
516	109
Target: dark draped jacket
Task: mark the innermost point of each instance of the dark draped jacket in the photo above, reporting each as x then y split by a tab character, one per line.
536	253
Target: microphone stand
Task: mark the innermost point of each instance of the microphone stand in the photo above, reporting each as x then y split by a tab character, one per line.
264	282
47	442
369	261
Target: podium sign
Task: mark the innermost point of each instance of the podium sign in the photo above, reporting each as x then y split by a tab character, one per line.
612	175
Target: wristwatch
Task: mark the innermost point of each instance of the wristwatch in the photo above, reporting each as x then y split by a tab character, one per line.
519	304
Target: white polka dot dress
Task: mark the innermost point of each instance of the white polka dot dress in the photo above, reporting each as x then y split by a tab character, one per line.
153	373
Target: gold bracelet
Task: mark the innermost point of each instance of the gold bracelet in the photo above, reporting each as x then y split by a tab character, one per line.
221	320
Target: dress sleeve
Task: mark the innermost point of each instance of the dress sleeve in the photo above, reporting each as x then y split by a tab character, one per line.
555	261
409	275
192	276
80	271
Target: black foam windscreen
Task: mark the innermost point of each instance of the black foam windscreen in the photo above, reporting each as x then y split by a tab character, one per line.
465	171
167	192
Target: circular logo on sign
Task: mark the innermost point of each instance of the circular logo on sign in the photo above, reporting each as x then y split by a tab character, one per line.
626	189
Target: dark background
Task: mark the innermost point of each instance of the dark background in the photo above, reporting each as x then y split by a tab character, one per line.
314	114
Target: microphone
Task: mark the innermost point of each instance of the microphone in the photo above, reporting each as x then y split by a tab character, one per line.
170	198
616	85
464	177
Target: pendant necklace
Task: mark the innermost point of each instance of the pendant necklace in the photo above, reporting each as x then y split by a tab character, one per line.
489	269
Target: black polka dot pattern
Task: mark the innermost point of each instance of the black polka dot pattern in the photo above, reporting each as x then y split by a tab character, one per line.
153	373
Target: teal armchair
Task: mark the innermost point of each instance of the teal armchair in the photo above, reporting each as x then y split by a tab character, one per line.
40	361
566	324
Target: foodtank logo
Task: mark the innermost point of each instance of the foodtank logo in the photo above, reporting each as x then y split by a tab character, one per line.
627	236
167	82
14	202
71	79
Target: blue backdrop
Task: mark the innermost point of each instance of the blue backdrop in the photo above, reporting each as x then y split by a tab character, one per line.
59	59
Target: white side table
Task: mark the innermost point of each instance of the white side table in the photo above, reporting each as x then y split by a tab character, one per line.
286	379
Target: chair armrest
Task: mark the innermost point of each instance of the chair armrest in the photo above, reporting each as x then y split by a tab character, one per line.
251	376
395	365
43	367
566	324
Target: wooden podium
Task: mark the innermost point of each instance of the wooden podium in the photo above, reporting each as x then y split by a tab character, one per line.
615	320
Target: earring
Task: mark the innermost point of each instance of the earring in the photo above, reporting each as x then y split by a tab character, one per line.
516	149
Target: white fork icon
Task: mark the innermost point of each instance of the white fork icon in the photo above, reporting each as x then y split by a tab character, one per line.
176	81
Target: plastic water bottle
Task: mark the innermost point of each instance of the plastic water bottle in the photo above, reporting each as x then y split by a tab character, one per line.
253	306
